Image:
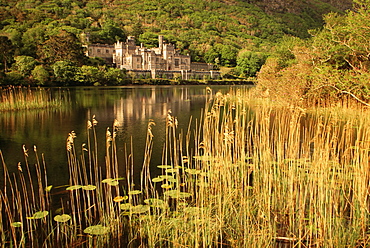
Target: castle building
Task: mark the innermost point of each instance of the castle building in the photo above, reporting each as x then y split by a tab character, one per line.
161	61
164	57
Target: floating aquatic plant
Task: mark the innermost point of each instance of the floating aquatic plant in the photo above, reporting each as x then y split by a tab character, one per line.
62	218
39	215
74	187
97	230
134	192
120	198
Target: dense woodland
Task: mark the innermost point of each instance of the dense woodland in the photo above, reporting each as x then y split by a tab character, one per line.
41	41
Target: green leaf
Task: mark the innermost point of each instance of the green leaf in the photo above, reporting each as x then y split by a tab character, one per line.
96	230
125	206
74	187
171	170
154	202
48	188
62	218
166	186
140	209
134	192
89	187
38	215
157	179
16	224
111	181
120	198
193	171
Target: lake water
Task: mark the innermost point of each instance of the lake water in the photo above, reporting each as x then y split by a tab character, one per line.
133	107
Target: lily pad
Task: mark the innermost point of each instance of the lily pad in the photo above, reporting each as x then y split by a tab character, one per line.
166	177
193	171
96	230
125	206
154	202
89	187
62	218
157	179
111	181
134	192
74	187
140	209
16	224
120	198
172	180
166	186
38	215
171	170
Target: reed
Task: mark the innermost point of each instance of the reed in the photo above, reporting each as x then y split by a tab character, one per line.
26	98
247	174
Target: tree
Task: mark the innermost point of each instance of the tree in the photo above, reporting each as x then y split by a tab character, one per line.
64	72
40	74
31	38
64	46
111	32
249	63
344	41
114	76
90	75
6	53
24	65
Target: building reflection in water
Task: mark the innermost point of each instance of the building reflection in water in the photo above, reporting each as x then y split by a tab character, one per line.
133	107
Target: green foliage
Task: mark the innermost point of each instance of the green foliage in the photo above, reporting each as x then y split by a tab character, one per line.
61	47
89	75
249	63
40	75
332	66
6	53
344	41
284	51
13	78
149	39
114	76
24	64
64	72
210	31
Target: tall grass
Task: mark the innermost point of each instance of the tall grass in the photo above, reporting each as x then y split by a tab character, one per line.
247	174
25	98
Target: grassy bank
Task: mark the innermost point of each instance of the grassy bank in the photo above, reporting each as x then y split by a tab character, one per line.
26	98
248	174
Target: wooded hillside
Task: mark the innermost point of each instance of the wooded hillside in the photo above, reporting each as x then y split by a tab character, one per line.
210	31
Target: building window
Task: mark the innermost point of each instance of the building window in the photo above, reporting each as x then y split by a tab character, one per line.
98	50
106	51
177	62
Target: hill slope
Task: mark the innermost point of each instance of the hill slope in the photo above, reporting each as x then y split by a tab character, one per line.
209	30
